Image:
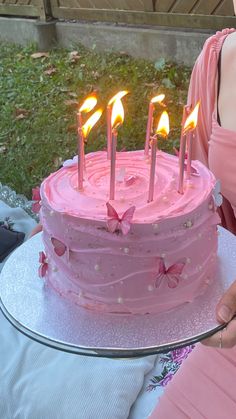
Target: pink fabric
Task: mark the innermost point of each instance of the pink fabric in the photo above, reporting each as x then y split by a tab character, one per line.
204	387
213	144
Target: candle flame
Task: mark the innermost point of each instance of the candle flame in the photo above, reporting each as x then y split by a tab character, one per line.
191	121
86	128
158	99
89	103
163	127
117	115
119	95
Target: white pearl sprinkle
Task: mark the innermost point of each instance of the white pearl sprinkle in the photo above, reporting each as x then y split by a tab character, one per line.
164	198
126	250
188	224
46	260
97	267
40	202
55	269
163	255
155	227
150	288
120	300
210	206
51	212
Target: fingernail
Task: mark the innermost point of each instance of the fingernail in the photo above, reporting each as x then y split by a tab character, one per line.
225	313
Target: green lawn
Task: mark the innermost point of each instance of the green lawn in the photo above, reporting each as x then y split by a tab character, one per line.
38	106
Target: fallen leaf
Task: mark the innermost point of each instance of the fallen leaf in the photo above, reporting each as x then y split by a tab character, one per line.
72	128
40	55
21	113
50	71
71	102
58	161
74	56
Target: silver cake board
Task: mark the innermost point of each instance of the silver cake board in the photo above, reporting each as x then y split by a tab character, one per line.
38	312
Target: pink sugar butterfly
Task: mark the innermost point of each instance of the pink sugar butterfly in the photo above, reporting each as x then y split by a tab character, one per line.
116	223
171	275
43	264
59	247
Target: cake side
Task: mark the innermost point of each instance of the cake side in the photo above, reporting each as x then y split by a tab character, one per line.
166	259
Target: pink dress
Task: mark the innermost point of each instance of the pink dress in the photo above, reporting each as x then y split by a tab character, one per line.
204	386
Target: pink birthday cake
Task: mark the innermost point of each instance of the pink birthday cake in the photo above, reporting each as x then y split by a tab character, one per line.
127	255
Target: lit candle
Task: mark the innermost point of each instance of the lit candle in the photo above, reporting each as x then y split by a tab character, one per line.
119	95
189	126
86	107
189	153
83	134
156	99
161	132
190	137
117	118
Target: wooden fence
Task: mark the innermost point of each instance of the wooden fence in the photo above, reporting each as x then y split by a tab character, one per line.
203	14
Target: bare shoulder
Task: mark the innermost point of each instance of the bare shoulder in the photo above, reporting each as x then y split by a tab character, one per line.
229	47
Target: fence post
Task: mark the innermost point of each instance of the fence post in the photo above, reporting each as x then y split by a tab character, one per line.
46	11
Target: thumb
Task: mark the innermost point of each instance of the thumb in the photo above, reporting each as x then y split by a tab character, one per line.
226	308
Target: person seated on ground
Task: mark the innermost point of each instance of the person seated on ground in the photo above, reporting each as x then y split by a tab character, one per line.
204	387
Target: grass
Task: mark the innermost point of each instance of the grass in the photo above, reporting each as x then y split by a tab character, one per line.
38	106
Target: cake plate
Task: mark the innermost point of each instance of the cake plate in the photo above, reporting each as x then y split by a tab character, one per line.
42	315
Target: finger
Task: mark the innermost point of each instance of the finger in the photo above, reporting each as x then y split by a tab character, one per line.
225	338
226	308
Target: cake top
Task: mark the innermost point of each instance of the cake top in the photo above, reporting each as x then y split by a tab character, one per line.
132	177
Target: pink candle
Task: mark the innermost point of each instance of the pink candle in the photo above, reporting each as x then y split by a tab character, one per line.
113	164
152	168
80	159
79	120
162	131
110	104
117	118
109	131
151	108
189	126
149	127
181	162
189	154
82	135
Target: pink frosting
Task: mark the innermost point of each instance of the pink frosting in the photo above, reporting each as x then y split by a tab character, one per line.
118	273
